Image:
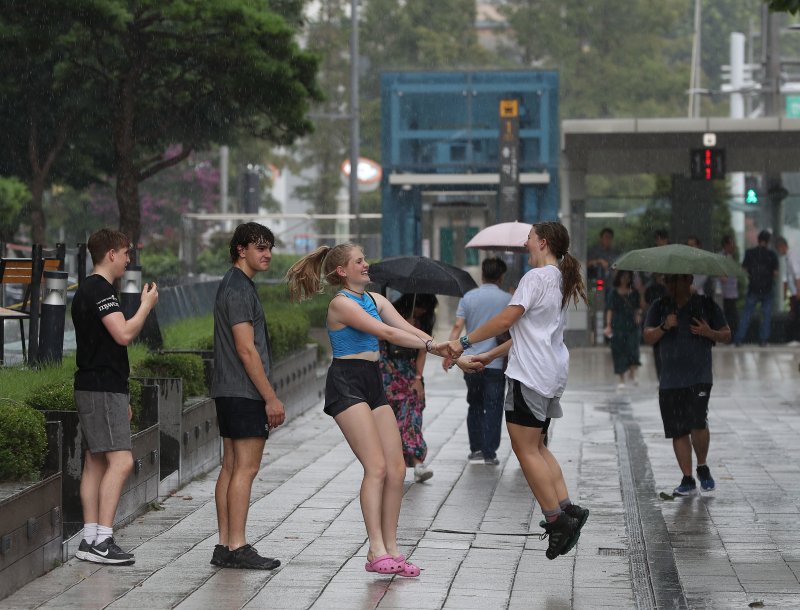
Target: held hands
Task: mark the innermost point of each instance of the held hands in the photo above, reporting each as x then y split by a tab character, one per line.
455	349
671	321
445	349
470	364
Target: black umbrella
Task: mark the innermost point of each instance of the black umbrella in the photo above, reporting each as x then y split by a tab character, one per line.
419	274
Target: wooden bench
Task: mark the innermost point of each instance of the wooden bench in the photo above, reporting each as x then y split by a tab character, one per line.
24	272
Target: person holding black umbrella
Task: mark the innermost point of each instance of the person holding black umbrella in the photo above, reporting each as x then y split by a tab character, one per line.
354	392
537	373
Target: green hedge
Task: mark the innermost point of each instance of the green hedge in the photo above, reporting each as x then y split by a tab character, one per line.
58	396
23	442
188	367
288	331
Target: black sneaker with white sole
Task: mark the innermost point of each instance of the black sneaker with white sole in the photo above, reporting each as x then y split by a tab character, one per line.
109	553
247	558
83	550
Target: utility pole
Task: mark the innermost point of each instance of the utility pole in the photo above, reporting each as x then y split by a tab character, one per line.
354	131
694	75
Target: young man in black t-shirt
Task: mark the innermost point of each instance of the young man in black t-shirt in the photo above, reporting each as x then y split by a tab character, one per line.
101	392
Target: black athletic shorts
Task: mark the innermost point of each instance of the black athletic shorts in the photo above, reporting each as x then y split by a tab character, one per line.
241	417
684	409
522	414
351	381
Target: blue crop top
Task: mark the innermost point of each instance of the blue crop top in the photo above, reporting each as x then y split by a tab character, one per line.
348	340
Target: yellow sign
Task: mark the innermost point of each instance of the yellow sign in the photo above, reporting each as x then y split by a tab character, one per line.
509	109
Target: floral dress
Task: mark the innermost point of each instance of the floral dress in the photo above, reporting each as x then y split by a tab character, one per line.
399	367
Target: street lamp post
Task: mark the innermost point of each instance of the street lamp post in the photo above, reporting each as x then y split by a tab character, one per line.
354	131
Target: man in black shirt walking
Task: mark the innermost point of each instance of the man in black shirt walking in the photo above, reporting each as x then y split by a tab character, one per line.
101	392
761	265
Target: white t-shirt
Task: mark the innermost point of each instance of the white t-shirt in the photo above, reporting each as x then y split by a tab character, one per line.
538	357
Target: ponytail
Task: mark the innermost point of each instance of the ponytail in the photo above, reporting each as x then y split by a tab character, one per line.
304	276
572	279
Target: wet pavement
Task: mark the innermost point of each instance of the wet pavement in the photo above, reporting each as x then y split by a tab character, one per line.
474	528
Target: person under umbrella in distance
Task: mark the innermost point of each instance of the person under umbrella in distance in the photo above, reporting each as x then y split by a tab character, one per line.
354	393
537	373
684	327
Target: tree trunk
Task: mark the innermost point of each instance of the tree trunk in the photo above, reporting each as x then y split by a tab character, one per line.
37	211
128	203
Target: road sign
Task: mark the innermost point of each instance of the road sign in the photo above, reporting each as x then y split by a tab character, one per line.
508	198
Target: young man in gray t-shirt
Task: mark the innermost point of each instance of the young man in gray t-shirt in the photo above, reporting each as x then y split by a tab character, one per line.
247	406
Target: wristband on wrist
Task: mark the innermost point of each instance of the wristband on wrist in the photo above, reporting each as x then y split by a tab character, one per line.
663	330
465	342
418	377
429	345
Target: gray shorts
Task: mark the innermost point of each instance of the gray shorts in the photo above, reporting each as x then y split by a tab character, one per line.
541	407
104	420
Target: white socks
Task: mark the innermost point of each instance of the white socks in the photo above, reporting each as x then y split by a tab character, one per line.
103	534
90	532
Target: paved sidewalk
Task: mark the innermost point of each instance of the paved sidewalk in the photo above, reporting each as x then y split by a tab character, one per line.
474	528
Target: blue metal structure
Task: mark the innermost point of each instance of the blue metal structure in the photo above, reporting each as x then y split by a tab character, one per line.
440	133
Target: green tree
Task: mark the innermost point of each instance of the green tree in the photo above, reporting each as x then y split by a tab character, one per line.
14	196
784	6
615	57
178	76
47	129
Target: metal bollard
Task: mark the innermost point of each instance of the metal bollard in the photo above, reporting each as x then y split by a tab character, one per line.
130	294
51	326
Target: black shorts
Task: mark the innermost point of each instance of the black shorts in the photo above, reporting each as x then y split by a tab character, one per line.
684	409
522	415
351	381
241	417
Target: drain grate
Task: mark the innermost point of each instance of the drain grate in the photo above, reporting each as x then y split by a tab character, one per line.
608	552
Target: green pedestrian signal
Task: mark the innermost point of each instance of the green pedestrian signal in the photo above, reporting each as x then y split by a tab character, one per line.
751	190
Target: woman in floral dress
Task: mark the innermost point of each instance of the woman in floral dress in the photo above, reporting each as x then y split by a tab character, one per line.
402	378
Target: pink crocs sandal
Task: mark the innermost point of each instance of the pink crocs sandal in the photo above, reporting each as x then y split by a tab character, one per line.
384	564
409	569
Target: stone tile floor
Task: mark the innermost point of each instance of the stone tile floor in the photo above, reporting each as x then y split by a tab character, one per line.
474	528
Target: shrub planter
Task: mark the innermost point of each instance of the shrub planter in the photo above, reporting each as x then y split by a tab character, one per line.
141	488
200	446
169	402
30	530
71	461
189	434
297	381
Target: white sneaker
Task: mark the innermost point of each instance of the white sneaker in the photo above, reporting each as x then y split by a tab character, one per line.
793	344
620	386
422	473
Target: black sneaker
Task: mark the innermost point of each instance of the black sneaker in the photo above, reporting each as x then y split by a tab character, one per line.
221	556
688	487
580	515
83	550
108	552
247	558
706	480
560	533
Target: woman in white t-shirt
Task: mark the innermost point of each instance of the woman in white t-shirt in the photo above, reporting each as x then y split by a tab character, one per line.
538	362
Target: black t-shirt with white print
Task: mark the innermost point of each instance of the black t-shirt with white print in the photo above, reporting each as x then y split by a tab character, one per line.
102	362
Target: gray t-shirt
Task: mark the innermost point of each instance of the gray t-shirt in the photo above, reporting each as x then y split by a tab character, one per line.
237	302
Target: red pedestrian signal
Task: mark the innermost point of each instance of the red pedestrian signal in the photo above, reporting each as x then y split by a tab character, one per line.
707	163
600	285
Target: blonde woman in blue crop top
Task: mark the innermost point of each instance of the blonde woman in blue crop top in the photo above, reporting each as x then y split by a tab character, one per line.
354	394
